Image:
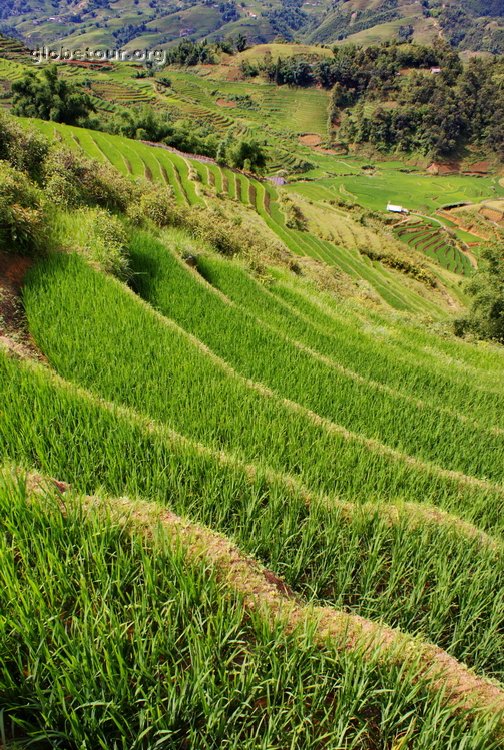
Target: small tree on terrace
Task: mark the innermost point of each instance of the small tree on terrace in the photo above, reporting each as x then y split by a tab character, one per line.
249	154
46	96
241	43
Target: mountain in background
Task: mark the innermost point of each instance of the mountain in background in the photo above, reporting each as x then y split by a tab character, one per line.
466	24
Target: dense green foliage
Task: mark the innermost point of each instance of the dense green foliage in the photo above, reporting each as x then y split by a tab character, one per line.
48	97
437	114
486	317
434	114
23	223
25	149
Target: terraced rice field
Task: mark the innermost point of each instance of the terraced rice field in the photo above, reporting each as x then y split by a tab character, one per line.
11	70
417	192
162	166
237	511
12	49
252	424
283	110
119	93
435	243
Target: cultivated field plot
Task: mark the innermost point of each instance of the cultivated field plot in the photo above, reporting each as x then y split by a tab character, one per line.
417	192
119	93
435	242
162	166
282	109
357	458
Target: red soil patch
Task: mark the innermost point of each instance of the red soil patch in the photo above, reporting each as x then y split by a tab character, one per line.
322	150
480	167
226	103
12	320
90	65
492	215
12	270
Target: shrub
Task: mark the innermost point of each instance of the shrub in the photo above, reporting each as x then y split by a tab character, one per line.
209	226
106	241
23	221
72	181
47	96
156	205
24	148
486	316
294	216
97	235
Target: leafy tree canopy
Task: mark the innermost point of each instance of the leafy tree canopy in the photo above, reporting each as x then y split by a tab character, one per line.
48	97
486	317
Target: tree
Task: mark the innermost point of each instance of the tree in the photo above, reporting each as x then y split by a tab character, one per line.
47	97
241	43
486	317
250	152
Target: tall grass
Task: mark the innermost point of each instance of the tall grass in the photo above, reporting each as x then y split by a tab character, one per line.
109	641
430	580
240	339
85	322
368	349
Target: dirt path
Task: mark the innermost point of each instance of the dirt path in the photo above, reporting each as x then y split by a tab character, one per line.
12	319
262	590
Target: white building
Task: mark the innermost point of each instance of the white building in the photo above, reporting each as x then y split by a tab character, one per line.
396	209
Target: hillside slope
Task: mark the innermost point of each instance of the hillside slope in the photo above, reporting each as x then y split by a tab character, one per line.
241	505
466	24
471	24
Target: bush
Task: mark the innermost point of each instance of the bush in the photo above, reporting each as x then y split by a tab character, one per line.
23	221
210	226
157	206
73	181
294	216
24	148
107	246
47	96
486	316
97	235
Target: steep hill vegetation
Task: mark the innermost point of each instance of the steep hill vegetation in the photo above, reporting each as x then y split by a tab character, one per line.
251	431
469	24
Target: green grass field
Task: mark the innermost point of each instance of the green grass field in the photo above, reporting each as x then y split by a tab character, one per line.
307	442
417	192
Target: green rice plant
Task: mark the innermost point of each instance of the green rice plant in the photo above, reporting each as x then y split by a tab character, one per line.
169	376
115	641
374	351
236	336
482	359
413	576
